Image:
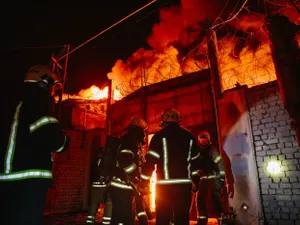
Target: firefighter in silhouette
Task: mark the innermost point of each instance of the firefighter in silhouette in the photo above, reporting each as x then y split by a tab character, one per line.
140	205
209	175
103	167
173	149
124	185
33	134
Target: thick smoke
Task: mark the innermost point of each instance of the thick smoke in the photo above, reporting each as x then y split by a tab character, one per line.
178	21
179	46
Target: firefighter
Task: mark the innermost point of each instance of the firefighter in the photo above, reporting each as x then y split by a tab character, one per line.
34	134
99	192
100	187
141	209
211	175
173	150
125	182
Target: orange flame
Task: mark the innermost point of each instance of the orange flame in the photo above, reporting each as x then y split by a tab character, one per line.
153	181
92	93
245	56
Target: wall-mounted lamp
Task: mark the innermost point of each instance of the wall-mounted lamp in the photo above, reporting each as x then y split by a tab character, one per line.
274	167
244	207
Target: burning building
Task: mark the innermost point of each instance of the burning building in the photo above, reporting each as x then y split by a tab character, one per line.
249	121
255	113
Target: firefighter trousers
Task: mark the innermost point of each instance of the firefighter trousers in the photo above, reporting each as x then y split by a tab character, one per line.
215	188
140	211
173	204
122	212
99	195
23	201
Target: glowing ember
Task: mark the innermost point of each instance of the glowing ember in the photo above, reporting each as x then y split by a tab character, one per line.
153	190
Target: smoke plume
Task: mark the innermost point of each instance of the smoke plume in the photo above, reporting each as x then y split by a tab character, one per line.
179	46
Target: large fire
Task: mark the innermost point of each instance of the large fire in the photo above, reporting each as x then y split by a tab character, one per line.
244	51
92	93
153	190
244	59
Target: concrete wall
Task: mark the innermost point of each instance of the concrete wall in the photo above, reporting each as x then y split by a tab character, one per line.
274	139
236	139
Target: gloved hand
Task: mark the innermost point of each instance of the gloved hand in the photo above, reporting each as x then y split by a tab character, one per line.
230	190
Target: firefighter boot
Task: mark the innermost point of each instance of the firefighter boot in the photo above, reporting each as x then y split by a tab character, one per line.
142	218
220	219
202	221
90	220
106	219
226	219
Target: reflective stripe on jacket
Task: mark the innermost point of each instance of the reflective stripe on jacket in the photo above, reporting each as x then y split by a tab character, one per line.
210	165
127	162
173	150
34	134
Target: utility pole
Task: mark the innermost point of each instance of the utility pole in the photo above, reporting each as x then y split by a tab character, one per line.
65	67
213	53
55	63
215	82
63	80
108	109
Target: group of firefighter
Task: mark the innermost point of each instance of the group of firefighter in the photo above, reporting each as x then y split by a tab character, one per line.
184	165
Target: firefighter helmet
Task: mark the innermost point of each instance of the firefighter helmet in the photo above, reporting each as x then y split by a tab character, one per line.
204	134
170	115
39	73
139	122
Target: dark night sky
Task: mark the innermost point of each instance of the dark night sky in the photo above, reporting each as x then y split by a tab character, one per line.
89	65
43	25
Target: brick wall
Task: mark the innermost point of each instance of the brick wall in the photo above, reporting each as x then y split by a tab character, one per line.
68	172
274	139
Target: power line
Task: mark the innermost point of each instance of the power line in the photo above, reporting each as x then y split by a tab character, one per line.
97	35
155	10
295	6
44	46
233	17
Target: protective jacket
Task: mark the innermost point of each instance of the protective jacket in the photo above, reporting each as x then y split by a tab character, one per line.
34	133
173	149
210	164
127	162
